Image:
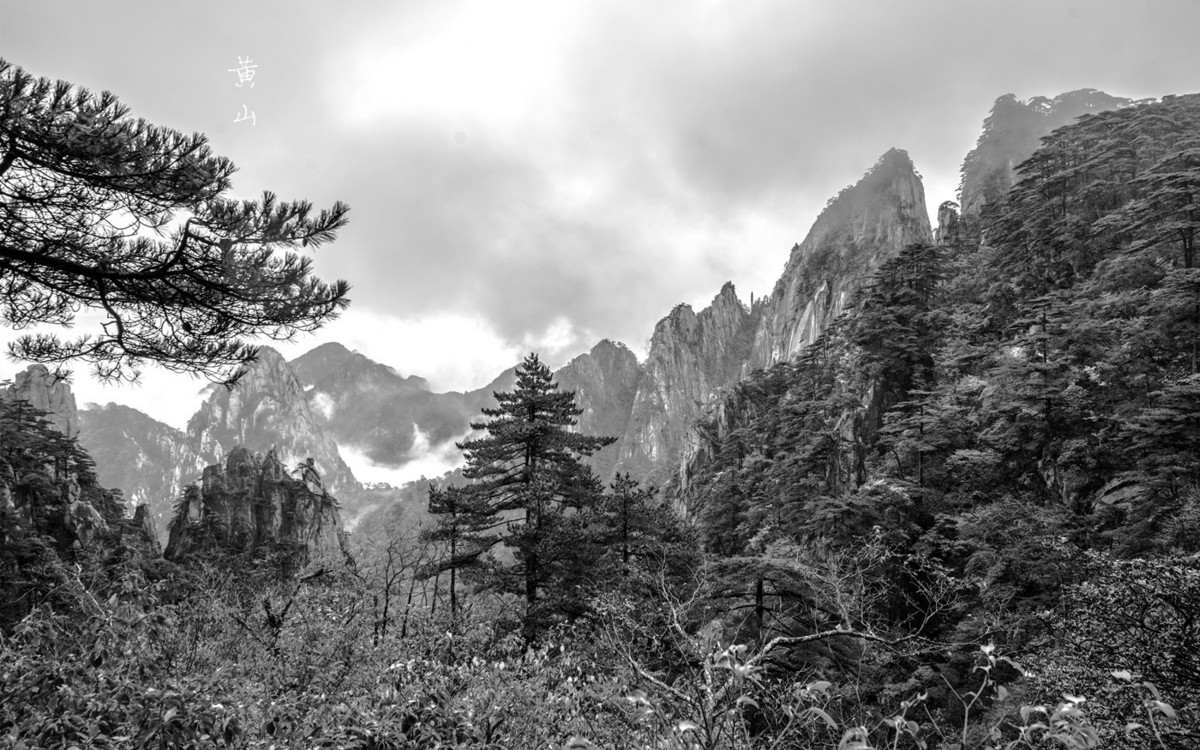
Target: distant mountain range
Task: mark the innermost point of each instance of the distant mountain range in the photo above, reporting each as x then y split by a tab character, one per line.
332	402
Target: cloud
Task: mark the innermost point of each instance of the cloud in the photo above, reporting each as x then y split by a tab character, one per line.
453	352
424	460
537	173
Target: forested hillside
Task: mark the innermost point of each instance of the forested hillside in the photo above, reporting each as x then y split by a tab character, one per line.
1004	423
966	515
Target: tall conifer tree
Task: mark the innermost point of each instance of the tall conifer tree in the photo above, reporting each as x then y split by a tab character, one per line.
525	472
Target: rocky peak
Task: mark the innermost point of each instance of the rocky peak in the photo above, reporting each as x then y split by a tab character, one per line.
254	504
949	227
267	409
691	356
49	392
1012	132
861	227
605	382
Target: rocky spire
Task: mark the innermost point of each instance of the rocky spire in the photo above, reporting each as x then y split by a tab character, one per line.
254	504
49	392
691	356
267	410
860	228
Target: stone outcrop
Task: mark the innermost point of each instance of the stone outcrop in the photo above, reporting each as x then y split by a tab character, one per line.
49	392
949	228
267	410
48	488
860	228
254	504
691	356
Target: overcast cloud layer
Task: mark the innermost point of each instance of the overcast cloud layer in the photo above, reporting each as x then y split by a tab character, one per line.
538	175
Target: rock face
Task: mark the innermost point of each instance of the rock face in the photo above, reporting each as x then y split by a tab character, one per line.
50	393
694	356
150	461
267	409
605	381
1012	132
691	356
861	227
949	228
48	488
253	504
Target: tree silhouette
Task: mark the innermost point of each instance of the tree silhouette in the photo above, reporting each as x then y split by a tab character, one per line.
105	212
526	472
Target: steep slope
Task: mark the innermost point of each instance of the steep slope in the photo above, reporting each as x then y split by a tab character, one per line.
55	516
50	393
605	381
268	409
860	228
148	460
253	504
1012	132
691	355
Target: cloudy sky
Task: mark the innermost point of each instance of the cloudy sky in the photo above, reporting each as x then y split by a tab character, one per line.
537	175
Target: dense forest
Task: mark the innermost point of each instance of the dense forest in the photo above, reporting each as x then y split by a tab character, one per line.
968	516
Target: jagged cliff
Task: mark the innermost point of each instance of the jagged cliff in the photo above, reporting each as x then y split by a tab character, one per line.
861	227
267	409
691	356
153	462
150	461
253	504
1012	132
54	513
605	381
48	482
49	392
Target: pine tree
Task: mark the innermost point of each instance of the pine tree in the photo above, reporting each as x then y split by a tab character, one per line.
461	530
103	211
526	473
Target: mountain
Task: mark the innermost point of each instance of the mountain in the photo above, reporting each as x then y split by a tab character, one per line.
370	407
48	392
148	460
393	420
268	409
859	228
1012	132
253	504
152	462
691	355
54	514
605	381
331	396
